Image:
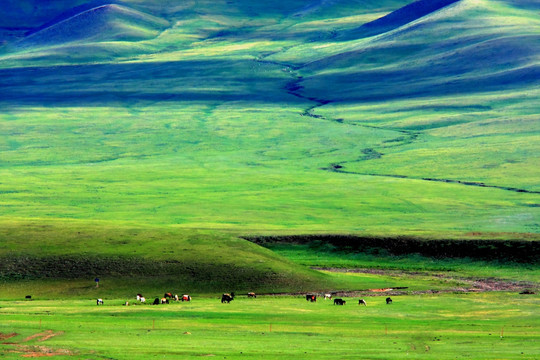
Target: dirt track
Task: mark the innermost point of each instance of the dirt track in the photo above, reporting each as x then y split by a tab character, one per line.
34	350
470	284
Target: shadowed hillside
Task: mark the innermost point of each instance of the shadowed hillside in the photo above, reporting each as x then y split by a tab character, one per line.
144	259
103	23
460	49
400	17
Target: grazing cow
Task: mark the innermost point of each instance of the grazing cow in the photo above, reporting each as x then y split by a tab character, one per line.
28	297
186	298
362	302
99	302
164	300
311	297
339	302
142	299
327	296
226	298
388	301
156	301
139	296
176	298
251	295
168	295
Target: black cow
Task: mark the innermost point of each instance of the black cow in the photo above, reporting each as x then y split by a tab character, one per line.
168	295
226	298
28	297
311	297
339	302
156	301
388	301
362	302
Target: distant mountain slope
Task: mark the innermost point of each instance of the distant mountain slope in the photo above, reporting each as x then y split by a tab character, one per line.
400	17
103	23
66	14
467	47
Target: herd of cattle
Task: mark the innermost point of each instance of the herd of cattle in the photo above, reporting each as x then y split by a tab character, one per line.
313	298
227	298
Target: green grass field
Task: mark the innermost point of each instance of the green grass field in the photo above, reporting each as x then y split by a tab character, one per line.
232	117
141	141
476	326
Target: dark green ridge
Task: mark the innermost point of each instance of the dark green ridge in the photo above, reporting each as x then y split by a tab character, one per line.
188	259
522	251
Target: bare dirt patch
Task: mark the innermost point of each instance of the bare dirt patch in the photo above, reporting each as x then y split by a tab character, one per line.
40	351
35	350
469	284
42	336
7	336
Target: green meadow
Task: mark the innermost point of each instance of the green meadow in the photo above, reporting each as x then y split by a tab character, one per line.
488	326
276	117
142	142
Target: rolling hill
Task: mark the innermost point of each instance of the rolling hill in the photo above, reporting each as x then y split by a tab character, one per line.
99	24
68	256
245	118
457	49
400	17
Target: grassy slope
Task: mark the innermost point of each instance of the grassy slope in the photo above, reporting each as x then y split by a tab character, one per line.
208	125
469	115
217	118
43	255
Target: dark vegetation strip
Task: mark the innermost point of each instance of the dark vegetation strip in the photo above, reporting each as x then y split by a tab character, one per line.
521	251
20	267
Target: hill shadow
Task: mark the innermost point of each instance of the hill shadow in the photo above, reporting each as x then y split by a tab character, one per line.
400	17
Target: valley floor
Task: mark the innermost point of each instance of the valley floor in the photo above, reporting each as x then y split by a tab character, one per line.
494	325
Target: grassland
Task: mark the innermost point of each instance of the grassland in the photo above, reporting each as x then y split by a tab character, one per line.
480	326
139	152
230	119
